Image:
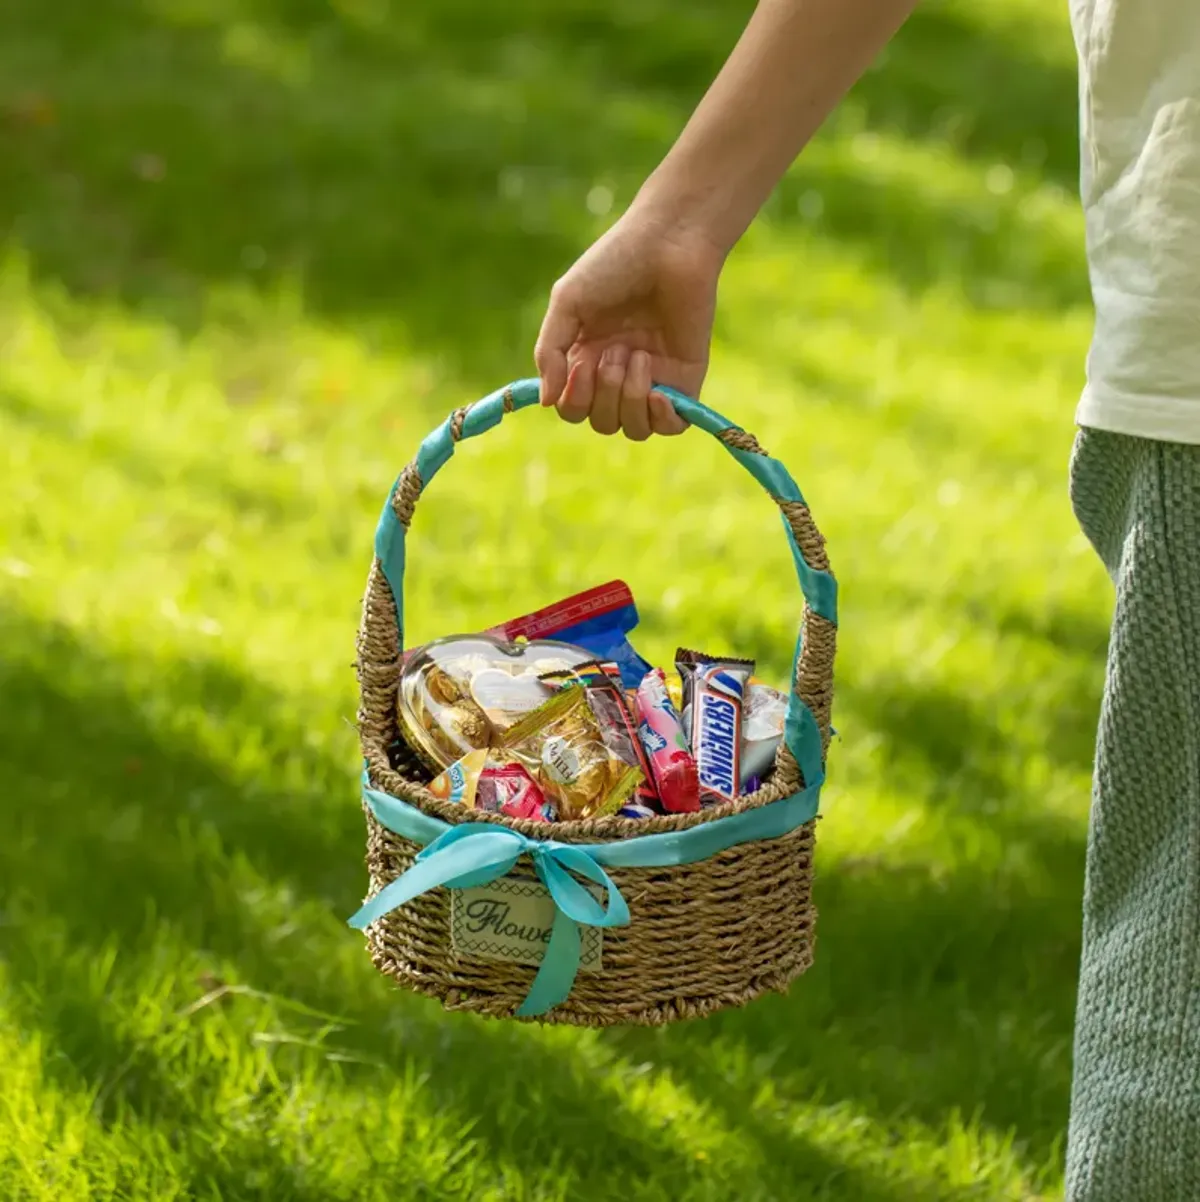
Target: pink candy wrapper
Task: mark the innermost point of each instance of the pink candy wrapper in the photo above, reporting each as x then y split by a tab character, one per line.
509	790
661	733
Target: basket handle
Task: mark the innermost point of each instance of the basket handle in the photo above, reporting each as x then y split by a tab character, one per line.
802	753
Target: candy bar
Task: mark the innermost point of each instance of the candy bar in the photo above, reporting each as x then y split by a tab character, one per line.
661	735
598	620
713	692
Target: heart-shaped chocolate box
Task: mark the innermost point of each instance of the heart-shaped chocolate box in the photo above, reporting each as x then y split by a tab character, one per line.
462	693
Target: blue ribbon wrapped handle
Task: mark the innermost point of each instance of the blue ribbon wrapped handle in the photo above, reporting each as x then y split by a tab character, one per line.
475	853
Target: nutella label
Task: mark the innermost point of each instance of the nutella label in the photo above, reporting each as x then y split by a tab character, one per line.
560	760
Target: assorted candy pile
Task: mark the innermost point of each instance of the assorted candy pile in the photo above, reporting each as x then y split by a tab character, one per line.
554	716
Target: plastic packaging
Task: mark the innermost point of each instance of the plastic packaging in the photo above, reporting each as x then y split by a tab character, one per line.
599	620
508	789
461	694
763	717
601	683
661	733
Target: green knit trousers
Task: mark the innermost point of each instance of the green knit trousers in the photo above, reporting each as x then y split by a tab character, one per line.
1135	1109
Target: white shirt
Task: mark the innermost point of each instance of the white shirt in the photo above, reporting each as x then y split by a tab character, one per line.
1139	86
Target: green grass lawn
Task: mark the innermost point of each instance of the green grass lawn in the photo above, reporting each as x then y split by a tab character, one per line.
251	251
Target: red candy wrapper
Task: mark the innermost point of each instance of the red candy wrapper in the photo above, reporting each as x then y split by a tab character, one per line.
509	790
598	620
713	694
661	734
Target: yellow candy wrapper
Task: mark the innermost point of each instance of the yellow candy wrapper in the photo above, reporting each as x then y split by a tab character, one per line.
675	689
459	782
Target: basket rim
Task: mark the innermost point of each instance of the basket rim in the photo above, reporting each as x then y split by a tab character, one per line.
613	828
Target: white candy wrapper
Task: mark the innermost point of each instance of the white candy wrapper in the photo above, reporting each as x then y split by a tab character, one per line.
762	729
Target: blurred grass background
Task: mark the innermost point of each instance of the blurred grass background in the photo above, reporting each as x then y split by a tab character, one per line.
251	251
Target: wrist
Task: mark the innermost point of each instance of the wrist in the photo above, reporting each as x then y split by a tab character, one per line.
686	216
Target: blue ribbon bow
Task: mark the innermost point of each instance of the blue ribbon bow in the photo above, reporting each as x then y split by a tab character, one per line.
475	853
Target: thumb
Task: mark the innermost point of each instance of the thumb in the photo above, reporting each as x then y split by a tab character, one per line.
560	327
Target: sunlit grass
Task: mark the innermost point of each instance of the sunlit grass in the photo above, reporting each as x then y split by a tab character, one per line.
237	286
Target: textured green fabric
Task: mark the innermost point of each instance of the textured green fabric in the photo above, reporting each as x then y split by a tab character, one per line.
1135	1112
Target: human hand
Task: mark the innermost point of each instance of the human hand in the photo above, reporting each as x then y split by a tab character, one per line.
635	309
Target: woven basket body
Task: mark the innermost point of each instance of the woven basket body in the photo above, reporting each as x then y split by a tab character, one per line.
702	936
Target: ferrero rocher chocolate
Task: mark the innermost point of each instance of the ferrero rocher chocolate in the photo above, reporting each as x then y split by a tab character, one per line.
443	687
461	694
468	722
562	747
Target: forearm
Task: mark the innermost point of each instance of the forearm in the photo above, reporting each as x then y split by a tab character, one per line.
795	61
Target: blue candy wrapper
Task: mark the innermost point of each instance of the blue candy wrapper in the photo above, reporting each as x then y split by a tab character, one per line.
635	809
598	620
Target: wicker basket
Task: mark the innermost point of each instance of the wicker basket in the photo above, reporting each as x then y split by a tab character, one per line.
701	935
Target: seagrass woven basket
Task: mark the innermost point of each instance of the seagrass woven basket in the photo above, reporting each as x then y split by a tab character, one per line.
687	932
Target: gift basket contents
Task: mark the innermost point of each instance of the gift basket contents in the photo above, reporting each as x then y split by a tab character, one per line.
559	830
550	730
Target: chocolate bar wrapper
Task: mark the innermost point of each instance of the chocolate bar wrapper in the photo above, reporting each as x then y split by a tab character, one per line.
714	694
599	620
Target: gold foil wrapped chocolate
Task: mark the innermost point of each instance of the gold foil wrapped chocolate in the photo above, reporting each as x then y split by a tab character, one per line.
563	749
442	687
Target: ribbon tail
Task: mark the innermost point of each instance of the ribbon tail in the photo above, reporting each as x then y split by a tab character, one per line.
389	898
554	979
572	898
454	861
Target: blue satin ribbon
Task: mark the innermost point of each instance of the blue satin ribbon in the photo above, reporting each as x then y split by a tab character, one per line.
820	588
475	853
470	854
436	450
